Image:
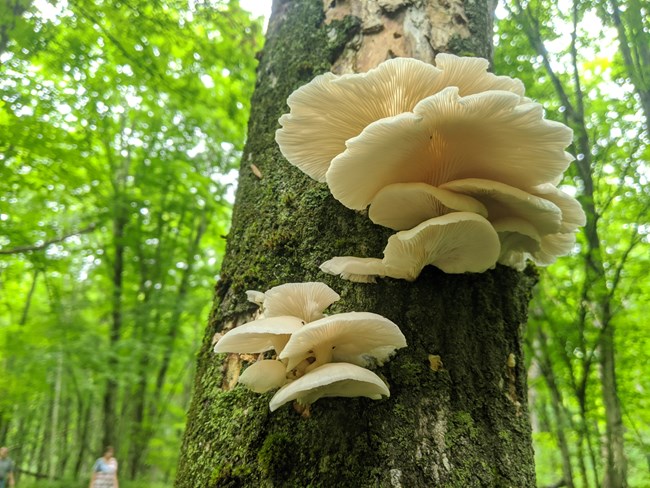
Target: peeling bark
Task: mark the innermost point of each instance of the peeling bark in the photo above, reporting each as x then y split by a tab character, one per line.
457	414
397	28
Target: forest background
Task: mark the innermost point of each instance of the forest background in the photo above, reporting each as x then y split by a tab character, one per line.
121	127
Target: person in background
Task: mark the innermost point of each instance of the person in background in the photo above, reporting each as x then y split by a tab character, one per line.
104	471
6	469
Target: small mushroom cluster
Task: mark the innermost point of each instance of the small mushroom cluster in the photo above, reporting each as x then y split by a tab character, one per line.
308	355
454	158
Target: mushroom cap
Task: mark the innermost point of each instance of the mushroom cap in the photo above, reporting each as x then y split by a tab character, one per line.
490	135
352	337
459	242
255	296
264	375
552	247
259	335
330	380
358	270
519	238
504	201
471	75
573	216
331	109
305	300
402	206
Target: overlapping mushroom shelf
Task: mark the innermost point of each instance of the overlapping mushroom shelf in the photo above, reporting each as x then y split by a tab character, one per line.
308	355
454	158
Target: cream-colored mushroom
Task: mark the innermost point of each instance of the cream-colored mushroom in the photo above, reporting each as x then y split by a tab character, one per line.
305	300
553	246
331	380
256	297
459	242
359	270
504	201
332	109
263	376
573	216
352	337
259	335
489	135
402	206
519	238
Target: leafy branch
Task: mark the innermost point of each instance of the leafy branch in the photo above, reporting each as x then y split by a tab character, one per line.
46	244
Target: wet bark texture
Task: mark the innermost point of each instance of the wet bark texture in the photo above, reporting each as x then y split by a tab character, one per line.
459	423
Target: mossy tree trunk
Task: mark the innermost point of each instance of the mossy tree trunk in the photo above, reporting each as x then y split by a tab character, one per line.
463	423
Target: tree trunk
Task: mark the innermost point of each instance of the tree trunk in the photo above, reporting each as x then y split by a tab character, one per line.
64	450
83	428
54	427
464	424
615	461
110	395
42	460
5	422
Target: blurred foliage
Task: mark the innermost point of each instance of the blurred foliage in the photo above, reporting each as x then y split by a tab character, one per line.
569	56
120	126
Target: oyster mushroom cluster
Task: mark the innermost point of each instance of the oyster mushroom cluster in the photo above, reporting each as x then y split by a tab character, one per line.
308	355
455	159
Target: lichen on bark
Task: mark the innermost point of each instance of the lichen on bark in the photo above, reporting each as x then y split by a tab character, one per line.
464	424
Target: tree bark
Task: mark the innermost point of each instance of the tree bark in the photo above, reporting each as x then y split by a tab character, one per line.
117	274
54	427
464	424
616	463
83	428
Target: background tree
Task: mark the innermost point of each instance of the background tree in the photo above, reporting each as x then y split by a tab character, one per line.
464	424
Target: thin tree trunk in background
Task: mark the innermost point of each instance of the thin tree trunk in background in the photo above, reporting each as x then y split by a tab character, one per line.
54	426
42	461
581	395
64	456
110	395
120	167
83	430
33	434
28	301
616	467
4	428
463	425
138	428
